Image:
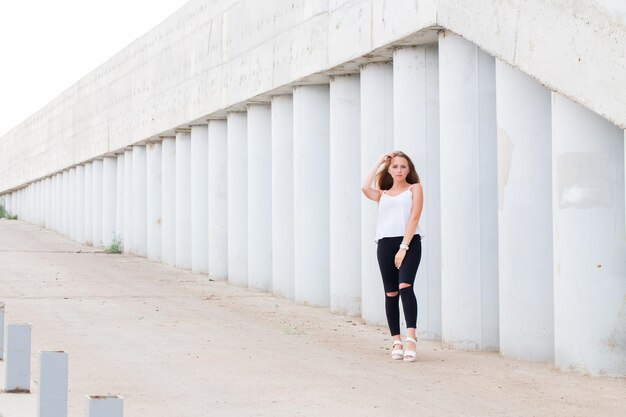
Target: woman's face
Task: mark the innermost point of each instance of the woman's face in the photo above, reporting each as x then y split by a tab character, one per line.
398	168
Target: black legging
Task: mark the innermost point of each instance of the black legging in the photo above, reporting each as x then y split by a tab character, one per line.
393	277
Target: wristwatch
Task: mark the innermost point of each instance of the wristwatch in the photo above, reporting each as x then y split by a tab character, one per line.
404	246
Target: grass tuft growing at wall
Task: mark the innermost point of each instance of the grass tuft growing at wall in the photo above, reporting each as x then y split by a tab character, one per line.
115	247
4	214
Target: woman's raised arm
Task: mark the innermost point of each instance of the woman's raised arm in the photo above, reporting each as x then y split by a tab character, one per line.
366	187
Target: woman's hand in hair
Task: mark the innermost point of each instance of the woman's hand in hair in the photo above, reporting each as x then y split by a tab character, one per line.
366	187
399	258
384	158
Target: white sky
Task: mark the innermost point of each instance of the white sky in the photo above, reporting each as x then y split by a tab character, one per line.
48	45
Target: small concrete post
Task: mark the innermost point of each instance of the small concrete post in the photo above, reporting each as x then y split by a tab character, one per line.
17	370
105	406
1	331
53	368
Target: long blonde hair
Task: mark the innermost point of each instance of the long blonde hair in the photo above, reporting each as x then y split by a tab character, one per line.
384	178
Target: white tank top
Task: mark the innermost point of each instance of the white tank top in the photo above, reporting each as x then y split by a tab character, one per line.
394	212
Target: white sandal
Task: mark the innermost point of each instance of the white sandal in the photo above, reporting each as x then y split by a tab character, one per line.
410	355
397	354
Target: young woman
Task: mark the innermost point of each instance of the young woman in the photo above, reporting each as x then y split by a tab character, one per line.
400	201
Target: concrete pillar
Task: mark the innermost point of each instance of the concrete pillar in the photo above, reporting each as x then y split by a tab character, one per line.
200	198
41	202
49	207
218	200
16	195
128	200
17	367
89	203
469	195
72	203
35	203
22	198
153	190
11	202
80	204
168	198
183	199
259	132
109	204
311	149
17	203
104	406
50	202
21	204
8	203
588	241
27	204
282	197
237	199
65	230
524	204
32	203
376	138
416	132
38	201
37	197
345	195
140	201
52	395
1	331
96	203
119	198
24	203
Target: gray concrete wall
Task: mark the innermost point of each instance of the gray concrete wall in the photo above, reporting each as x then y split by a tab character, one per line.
214	54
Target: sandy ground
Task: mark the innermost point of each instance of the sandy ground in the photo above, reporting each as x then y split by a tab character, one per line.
177	344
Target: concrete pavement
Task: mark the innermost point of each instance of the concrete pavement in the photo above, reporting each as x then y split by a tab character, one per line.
173	343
